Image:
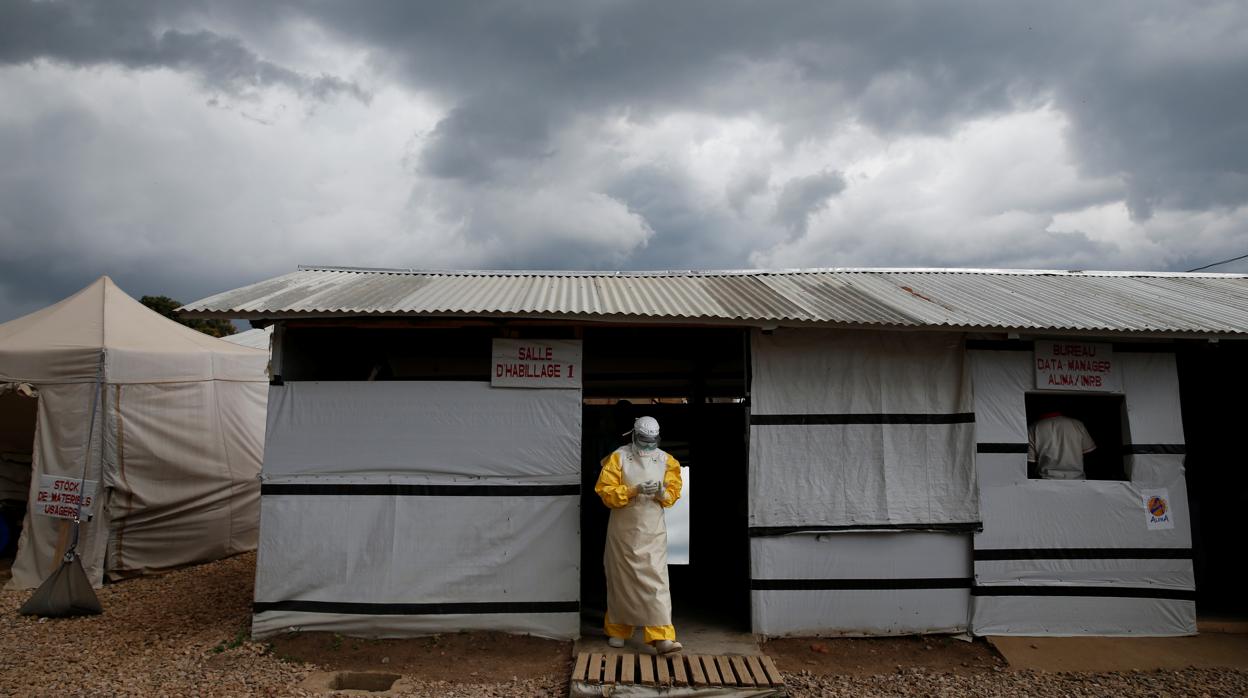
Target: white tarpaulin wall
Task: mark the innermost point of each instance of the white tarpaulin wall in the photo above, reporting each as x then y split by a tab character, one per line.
177	439
1079	557
399	508
855	430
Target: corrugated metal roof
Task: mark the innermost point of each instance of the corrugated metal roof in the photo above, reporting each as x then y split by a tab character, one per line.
1077	301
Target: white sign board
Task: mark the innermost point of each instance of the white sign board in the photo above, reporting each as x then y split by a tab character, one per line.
1157	512
58	497
677	517
1076	366
536	363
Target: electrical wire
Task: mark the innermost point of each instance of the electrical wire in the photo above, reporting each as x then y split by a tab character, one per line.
1225	261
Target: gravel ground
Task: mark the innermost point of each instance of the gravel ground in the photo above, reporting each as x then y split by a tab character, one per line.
179	634
185	634
1197	683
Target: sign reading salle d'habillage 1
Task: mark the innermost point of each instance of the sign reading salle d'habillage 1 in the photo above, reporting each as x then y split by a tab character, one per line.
1076	366
536	363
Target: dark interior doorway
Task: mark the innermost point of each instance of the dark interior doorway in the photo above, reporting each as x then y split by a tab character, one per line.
694	382
18	414
1212	378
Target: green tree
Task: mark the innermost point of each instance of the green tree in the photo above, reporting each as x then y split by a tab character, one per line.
169	308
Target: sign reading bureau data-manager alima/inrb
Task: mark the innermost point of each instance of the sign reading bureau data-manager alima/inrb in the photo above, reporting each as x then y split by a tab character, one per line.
1076	366
536	363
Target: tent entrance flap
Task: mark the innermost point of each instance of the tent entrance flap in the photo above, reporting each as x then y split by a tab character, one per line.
18	409
67	591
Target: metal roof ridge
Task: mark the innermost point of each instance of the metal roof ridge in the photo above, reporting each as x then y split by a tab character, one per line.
970	271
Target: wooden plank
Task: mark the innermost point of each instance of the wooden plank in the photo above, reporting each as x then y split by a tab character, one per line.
582	663
756	668
696	674
613	662
626	670
712	674
725	671
663	673
773	674
647	668
595	667
678	670
742	669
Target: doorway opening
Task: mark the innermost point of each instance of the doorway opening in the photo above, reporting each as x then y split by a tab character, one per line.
1210	375
694	382
18	415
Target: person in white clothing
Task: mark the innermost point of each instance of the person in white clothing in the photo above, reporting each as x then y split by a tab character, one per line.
637	482
1056	444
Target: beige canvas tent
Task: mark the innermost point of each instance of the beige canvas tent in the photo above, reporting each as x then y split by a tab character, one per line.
174	456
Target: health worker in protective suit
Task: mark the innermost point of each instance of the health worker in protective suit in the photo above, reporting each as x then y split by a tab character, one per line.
638	480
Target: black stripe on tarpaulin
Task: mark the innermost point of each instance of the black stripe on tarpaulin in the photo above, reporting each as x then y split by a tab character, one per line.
390	490
1083	554
767	420
417	609
1000	345
1156	449
769	531
1000	448
1029	345
1098	592
859	584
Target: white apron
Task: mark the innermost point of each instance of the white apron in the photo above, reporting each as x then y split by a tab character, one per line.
636	551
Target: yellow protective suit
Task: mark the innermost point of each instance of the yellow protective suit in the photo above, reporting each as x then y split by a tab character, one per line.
636	552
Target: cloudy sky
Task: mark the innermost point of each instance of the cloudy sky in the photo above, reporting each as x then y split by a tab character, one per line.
186	148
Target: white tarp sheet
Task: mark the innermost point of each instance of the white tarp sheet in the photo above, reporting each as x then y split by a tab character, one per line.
860	428
860	583
1079	557
449	430
401	508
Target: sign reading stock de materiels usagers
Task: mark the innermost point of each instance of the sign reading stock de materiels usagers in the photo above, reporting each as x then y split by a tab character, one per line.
536	363
1076	366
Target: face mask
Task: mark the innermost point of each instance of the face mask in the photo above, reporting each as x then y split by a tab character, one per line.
645	445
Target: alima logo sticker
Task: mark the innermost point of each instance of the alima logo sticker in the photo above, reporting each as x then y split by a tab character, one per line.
1157	510
1156	507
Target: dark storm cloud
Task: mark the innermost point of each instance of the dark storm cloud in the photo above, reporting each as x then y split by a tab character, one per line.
1171	122
480	138
1167	117
1154	98
91	33
803	196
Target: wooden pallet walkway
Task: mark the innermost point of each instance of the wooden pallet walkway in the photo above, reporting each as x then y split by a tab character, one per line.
692	670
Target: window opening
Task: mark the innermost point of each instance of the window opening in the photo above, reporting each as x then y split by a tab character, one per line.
1059	441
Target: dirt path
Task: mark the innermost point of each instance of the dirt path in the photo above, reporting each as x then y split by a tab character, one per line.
883	655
